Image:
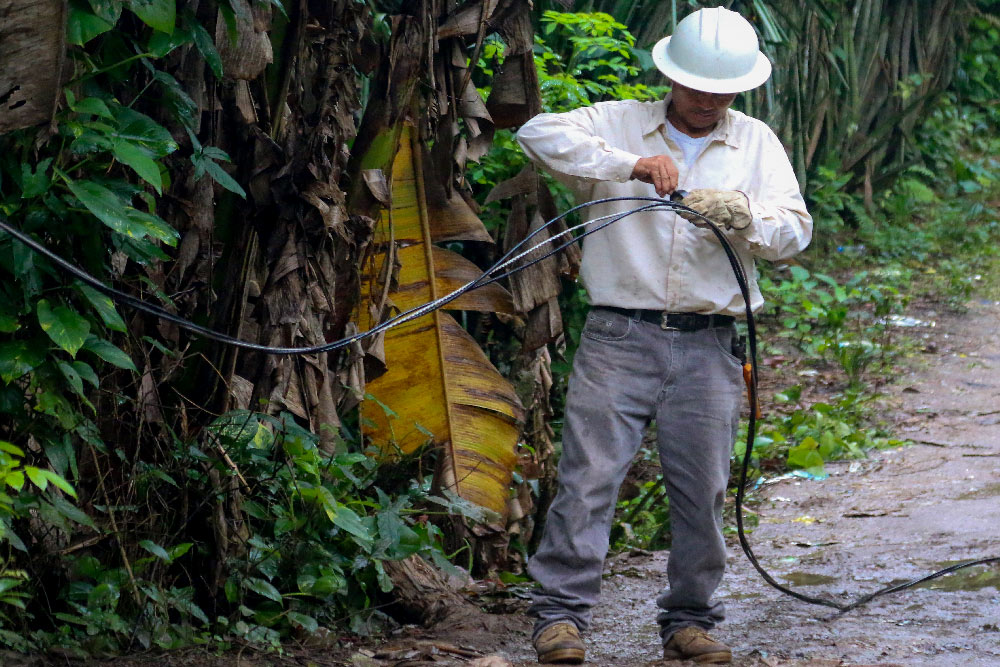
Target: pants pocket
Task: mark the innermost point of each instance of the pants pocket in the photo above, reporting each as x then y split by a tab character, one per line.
724	338
607	326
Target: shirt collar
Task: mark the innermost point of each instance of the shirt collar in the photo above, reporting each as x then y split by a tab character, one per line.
656	117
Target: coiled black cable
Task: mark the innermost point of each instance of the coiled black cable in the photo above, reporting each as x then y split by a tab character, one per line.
510	258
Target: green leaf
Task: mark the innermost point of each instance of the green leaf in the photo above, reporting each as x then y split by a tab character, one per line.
161	43
153	225
116	214
176	98
111	354
11	449
179	550
157	14
384	582
218	174
344	517
36	477
281	7
206	45
264	588
143	165
139	128
308	623
327	585
72	378
90	105
37	182
15	480
104	204
87	373
232	594
57	481
155	549
61	455
18	357
64	326
82	25
193	609
72	512
52	402
109	10
805	455
14	540
104	306
229	16
9	323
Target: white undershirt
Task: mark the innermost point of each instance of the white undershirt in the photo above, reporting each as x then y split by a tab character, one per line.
690	146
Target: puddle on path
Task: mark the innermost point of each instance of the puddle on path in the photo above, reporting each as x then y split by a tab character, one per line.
969	579
808	579
743	596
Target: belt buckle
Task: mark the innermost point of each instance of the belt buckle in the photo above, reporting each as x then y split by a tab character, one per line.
664	322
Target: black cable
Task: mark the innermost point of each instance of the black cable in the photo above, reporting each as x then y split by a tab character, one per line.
401	318
510	257
740	274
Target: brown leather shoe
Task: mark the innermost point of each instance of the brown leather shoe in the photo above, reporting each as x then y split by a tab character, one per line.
560	644
693	643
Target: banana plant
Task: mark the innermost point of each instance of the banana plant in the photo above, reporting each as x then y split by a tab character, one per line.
440	389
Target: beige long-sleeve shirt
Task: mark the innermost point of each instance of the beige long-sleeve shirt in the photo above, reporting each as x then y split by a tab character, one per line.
657	260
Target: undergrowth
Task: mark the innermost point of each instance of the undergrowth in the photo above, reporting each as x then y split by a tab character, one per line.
122	527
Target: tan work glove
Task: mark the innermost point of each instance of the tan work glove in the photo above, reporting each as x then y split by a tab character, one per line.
729	208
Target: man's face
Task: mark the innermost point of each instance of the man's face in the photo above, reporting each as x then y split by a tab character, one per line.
695	112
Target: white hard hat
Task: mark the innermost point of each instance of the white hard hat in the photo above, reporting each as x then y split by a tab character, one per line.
714	51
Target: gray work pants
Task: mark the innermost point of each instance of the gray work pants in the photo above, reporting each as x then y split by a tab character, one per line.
627	372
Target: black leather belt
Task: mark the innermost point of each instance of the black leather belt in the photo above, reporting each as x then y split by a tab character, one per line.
677	321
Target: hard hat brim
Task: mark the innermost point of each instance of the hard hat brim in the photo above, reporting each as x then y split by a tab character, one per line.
759	74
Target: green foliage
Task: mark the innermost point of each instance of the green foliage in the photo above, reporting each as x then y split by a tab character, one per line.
28	497
806	437
828	321
835	211
978	77
87	191
320	529
591	58
145	568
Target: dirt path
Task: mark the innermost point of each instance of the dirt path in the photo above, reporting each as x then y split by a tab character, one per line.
896	515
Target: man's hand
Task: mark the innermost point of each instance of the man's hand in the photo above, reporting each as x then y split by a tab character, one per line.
729	208
658	170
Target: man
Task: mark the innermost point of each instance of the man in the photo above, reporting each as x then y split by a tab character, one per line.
658	343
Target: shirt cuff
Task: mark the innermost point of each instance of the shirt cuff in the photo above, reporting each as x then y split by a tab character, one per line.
620	165
751	233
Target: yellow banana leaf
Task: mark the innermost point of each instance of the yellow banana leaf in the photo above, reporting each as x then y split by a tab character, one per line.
439	385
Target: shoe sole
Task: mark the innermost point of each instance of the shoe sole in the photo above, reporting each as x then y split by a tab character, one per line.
562	656
717	658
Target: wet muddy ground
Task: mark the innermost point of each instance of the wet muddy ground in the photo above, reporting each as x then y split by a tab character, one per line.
894	516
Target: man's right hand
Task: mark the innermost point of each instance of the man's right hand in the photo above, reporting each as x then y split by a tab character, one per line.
659	170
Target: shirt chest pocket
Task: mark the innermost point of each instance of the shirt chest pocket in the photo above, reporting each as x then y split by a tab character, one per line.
718	167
